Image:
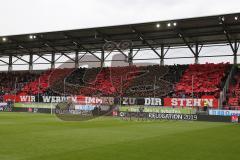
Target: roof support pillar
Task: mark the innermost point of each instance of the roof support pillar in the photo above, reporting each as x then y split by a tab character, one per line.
53	61
162	55
130	57
102	58
30	62
234	45
10	63
234	59
196	55
76	59
235	52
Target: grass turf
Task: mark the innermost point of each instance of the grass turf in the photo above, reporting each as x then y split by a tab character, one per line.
25	136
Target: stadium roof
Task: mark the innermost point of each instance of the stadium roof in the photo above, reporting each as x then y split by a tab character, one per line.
181	32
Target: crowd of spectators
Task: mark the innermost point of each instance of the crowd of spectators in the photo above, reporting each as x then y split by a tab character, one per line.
132	81
13	82
233	93
200	80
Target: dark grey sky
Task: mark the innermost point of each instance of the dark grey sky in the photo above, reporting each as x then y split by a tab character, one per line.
28	16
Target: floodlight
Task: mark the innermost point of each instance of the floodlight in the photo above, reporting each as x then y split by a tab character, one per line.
4	39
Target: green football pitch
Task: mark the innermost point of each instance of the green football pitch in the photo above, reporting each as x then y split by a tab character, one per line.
26	136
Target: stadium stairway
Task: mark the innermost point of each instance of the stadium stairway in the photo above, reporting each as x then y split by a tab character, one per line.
233	93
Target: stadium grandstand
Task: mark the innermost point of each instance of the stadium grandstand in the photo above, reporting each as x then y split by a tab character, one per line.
132	80
118	81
